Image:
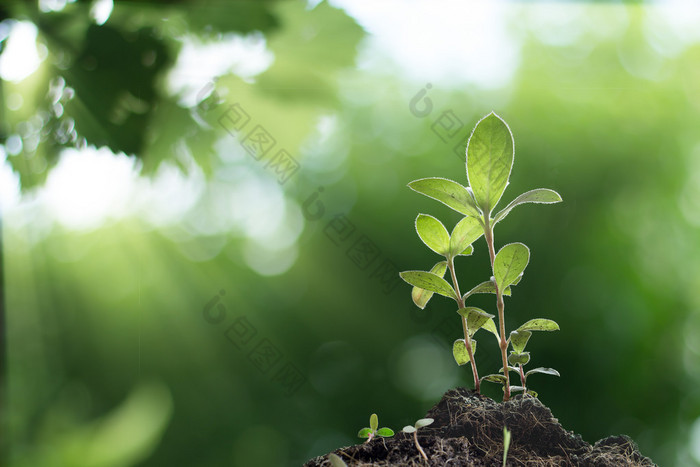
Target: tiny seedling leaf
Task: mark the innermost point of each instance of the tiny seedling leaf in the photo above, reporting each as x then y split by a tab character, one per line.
409	429
459	351
489	160
531	392
516	388
464	234
336	461
424	422
448	192
364	433
485	287
421	296
506	444
516	358
385	432
538	195
518	339
510	262
544	371
373	422
433	234
429	281
539	324
494	379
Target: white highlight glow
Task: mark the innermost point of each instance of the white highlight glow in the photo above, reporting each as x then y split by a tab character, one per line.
88	187
101	10
448	41
200	62
21	56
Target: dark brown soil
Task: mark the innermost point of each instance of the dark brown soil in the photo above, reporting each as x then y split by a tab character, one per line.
468	431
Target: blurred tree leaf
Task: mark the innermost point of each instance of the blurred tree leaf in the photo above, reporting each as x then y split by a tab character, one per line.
114	77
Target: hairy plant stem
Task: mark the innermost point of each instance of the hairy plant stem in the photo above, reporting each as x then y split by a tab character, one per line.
503	344
467	339
522	377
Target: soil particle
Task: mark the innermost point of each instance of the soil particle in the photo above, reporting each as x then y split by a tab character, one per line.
468	431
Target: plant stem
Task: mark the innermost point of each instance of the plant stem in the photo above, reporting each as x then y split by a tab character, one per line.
467	339
522	377
488	234
415	438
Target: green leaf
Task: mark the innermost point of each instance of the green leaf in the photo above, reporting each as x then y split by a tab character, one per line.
433	234
517	280
424	422
336	461
538	195
464	234
409	429
449	193
518	340
516	388
421	296
539	324
485	287
476	318
516	358
364	433
459	351
510	262
489	161
385	432
531	392
544	371
429	281
490	326
506	444
494	379
373	422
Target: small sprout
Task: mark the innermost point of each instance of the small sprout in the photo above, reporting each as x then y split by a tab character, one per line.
414	429
336	461
506	444
372	431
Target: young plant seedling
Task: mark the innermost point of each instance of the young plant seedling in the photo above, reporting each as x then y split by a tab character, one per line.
414	429
490	155
506	444
372	431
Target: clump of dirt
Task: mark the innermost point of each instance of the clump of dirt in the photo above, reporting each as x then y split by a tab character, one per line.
468	431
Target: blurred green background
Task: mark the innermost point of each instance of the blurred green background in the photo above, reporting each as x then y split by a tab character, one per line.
204	208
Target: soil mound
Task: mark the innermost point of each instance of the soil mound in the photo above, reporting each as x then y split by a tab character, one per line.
468	431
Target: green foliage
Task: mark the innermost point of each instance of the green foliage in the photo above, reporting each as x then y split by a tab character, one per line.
510	263
421	296
490	153
490	156
461	353
429	281
373	430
